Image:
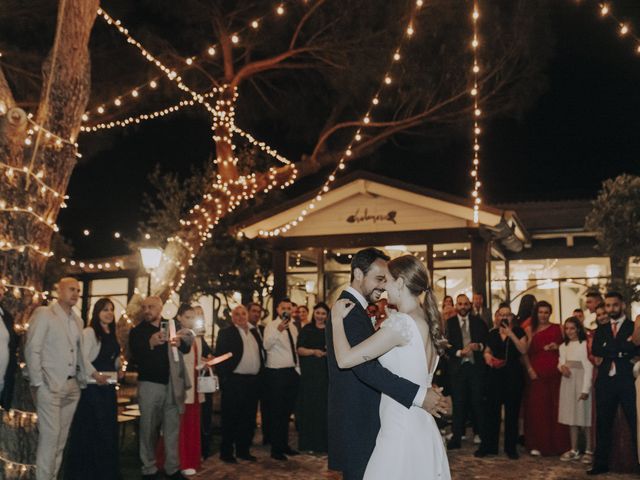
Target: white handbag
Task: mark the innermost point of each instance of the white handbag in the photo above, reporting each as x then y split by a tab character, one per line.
207	383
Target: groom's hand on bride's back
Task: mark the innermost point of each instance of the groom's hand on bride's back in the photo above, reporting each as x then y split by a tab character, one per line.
435	403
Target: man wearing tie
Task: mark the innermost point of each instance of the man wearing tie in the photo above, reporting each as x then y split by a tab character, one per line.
255	319
239	385
280	338
467	335
615	382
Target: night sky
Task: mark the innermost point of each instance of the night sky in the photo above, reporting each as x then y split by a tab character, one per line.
584	129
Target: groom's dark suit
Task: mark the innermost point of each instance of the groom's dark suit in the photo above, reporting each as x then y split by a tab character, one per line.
354	398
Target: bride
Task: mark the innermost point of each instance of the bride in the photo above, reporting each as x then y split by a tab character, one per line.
409	343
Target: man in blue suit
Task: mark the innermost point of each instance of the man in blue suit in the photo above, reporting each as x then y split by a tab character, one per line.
354	394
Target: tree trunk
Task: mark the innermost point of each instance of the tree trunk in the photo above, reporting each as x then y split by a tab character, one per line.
42	164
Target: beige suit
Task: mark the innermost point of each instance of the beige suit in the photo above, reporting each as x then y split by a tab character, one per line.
56	366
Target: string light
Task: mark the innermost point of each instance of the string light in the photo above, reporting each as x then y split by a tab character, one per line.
477	113
136	120
624	28
348	151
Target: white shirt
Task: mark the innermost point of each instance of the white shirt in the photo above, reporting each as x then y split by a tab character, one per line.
422	391
250	361
277	345
4	350
618	323
74	343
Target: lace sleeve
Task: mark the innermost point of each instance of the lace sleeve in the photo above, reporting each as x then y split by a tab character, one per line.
400	322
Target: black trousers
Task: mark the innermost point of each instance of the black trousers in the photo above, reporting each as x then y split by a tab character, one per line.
611	392
265	412
503	387
238	403
467	390
283	390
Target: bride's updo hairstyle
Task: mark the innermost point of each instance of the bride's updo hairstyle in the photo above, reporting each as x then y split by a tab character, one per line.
416	279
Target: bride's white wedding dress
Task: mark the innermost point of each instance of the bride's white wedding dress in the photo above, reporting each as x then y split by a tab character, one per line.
409	445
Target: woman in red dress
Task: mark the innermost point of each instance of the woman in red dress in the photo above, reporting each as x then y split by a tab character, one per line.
544	435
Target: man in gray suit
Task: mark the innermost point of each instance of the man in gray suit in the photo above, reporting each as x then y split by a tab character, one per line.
57	372
162	383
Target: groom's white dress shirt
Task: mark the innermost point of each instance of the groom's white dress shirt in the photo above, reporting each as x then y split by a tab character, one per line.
422	391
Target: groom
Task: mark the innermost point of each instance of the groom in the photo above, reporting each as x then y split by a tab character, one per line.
354	394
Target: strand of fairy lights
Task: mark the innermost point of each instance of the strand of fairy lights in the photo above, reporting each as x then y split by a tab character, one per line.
477	113
136	120
387	80
624	28
135	92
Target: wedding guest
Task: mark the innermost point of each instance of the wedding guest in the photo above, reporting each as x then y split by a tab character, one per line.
543	434
55	360
593	299
614	384
206	406
525	310
579	314
280	338
303	317
314	378
448	310
8	354
505	382
190	439
255	318
93	441
479	310
467	336
239	383
575	388
162	385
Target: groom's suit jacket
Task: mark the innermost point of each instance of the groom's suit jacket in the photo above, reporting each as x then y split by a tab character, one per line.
354	398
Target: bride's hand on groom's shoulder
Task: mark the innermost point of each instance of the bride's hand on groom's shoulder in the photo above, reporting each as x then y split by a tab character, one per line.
341	309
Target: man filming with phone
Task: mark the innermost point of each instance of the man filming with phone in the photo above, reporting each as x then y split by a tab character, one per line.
157	346
282	377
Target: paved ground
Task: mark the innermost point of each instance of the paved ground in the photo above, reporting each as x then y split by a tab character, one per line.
463	466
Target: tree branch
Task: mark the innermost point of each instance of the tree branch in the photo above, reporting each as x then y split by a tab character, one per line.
303	21
5	91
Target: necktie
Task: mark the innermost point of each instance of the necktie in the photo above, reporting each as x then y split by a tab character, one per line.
614	331
466	338
293	348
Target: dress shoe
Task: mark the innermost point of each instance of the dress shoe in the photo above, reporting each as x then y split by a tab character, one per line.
597	471
453	444
480	453
279	456
291	452
248	457
228	459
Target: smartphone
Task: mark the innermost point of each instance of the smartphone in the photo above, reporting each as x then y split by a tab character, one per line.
164	328
504	323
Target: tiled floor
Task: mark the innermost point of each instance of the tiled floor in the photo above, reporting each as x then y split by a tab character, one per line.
463	466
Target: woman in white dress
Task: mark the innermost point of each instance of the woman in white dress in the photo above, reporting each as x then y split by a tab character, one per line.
409	343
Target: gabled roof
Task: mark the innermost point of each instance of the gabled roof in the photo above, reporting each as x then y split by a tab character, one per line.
443	210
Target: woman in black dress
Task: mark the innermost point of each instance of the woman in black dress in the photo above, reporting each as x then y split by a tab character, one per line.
312	406
93	449
505	383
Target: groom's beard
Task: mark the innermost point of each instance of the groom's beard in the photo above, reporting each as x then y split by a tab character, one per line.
375	295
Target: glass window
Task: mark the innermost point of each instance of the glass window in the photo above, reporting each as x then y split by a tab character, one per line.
302	260
302	288
452	282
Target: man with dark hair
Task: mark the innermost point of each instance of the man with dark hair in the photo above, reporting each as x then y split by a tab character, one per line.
479	310
354	394
255	317
615	382
593	299
282	377
579	314
467	335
